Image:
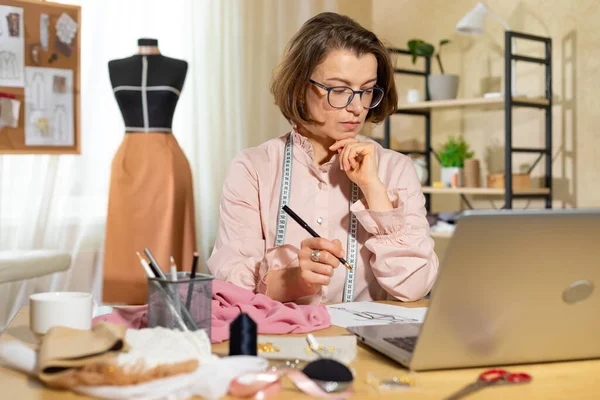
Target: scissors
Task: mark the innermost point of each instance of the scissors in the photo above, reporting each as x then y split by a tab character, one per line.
492	377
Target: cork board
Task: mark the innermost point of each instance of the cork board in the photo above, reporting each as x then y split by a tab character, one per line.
48	84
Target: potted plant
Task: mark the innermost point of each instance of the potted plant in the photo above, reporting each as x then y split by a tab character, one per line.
441	86
452	158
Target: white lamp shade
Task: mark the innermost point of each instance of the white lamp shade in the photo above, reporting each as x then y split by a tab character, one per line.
473	23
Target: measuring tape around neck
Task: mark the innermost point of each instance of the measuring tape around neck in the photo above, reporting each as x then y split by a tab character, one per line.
284	199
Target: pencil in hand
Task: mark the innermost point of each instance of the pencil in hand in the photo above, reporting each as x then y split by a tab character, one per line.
303	224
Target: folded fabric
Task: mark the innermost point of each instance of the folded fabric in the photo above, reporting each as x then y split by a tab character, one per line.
161	346
63	351
18	356
229	300
271	316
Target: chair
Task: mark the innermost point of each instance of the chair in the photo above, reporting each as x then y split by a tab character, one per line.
18	266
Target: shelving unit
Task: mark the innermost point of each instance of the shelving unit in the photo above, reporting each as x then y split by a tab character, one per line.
506	103
486	191
492	103
441	235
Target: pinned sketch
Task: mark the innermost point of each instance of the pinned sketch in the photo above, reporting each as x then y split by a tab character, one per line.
44	35
12	47
37	91
49	107
66	29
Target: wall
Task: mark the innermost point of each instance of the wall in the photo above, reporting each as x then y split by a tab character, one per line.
479	62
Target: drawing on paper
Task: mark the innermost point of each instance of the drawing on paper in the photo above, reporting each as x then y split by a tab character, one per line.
12	47
36	92
376	317
8	65
60	123
370	313
49	107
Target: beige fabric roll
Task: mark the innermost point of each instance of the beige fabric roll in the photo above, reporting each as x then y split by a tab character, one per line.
64	351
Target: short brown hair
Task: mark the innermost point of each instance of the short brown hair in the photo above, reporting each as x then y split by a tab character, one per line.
318	36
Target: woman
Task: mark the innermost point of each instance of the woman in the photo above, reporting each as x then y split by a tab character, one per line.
363	200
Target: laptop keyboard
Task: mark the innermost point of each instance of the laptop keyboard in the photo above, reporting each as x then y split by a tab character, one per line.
405	343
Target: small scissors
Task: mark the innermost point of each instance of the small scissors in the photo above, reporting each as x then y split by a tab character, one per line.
492	377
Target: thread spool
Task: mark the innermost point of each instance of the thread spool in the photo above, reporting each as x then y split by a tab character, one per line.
243	336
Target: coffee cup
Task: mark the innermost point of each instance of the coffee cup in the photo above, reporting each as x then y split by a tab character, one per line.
69	309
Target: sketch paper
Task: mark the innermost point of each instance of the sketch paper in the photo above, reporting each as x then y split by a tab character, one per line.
12	47
49	107
365	313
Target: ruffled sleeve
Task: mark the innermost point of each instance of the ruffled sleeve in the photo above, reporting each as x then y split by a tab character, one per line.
403	258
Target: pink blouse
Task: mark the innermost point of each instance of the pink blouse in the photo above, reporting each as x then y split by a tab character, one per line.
395	260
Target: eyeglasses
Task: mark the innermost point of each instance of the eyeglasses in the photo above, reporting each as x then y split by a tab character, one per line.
342	96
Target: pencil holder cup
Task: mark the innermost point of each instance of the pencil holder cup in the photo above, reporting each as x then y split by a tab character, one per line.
184	304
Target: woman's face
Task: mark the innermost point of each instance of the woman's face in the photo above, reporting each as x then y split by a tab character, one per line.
340	68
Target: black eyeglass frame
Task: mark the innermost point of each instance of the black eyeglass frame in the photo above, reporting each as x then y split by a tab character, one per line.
328	89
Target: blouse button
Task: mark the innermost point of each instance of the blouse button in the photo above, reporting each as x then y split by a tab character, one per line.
319	220
321	185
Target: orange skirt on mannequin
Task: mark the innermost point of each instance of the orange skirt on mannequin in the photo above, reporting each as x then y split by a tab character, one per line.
150	205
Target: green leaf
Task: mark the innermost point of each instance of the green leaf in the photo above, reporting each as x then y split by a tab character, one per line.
425	49
418	47
443	42
454	152
412	44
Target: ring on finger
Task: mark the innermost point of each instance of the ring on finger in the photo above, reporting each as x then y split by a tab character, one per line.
315	255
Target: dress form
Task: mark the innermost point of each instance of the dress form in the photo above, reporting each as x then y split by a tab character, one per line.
151	202
147	86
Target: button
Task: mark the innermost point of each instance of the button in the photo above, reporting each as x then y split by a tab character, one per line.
322	185
319	220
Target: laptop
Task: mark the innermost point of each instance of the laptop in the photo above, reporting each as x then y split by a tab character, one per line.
514	287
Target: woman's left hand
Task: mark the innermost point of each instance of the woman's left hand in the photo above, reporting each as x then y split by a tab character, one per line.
358	160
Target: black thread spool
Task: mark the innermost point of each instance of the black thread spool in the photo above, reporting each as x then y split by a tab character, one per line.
243	336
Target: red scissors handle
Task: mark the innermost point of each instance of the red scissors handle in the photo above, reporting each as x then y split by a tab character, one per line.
493	375
518	377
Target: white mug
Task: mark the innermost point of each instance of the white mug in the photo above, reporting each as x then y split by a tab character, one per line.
70	309
413	96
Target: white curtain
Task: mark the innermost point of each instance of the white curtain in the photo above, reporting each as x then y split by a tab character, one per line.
59	202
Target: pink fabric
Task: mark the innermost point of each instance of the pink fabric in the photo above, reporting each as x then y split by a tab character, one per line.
396	258
228	300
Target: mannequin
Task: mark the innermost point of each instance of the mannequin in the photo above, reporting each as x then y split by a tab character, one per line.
165	78
151	202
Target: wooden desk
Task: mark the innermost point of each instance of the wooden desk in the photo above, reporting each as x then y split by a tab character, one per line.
572	380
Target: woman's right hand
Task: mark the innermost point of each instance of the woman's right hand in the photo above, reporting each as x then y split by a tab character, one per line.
314	274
